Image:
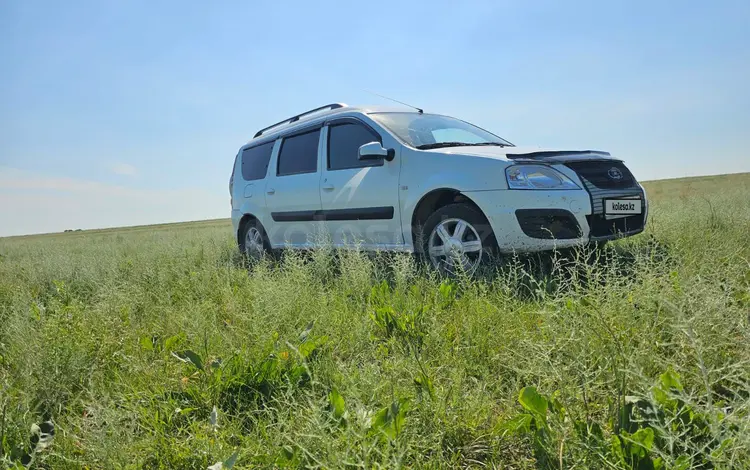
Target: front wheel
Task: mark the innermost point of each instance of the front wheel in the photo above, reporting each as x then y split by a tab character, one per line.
457	238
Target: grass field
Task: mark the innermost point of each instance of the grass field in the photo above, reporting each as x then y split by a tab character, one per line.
152	347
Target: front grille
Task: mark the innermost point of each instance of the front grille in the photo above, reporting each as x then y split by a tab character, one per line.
600	227
548	224
593	175
603	174
597	178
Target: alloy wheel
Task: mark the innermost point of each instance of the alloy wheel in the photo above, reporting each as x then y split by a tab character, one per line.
454	245
253	243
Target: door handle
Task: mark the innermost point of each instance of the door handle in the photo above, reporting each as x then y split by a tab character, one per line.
327	187
270	191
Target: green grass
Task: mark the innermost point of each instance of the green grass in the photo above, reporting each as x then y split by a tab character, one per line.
128	340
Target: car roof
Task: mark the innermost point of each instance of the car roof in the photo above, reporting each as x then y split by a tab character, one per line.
315	116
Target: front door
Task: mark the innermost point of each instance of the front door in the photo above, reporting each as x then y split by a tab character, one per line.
359	198
293	191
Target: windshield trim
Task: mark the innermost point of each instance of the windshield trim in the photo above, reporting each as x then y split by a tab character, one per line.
502	140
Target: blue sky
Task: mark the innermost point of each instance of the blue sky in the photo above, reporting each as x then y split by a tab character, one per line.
117	113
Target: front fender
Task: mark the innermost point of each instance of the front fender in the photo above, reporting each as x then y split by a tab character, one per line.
451	172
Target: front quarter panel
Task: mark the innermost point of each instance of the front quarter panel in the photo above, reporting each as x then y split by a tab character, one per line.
423	172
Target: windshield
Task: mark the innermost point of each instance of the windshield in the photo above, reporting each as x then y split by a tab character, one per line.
425	131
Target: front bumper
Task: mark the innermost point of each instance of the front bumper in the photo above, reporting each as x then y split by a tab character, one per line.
537	220
501	206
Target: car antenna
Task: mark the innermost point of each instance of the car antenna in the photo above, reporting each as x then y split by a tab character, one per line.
419	110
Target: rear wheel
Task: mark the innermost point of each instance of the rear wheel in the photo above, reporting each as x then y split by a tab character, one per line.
457	238
253	243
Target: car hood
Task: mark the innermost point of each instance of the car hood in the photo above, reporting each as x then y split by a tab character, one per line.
526	153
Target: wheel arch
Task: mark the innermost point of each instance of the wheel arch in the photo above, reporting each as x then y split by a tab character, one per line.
432	201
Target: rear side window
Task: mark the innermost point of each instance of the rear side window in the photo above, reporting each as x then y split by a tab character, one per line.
299	154
344	141
255	161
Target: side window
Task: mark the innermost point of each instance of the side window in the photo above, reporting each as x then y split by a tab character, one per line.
344	141
255	161
299	154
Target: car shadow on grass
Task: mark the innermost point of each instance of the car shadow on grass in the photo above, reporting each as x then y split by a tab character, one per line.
545	273
528	275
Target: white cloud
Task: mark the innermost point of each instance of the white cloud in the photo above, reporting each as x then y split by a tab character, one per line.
124	169
37	203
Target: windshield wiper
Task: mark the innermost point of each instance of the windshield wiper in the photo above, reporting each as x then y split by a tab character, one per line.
438	145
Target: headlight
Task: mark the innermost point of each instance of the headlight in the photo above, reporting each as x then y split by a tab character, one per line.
537	177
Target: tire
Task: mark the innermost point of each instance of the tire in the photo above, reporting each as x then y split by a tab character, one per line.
475	242
253	241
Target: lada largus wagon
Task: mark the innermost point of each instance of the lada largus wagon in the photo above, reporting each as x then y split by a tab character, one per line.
396	179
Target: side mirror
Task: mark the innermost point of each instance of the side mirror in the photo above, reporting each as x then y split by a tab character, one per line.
375	151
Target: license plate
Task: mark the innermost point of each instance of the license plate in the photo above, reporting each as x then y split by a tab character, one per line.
622	206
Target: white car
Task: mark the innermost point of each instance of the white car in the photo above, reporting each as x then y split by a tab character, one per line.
385	179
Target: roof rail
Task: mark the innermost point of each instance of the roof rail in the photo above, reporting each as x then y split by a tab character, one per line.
297	117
